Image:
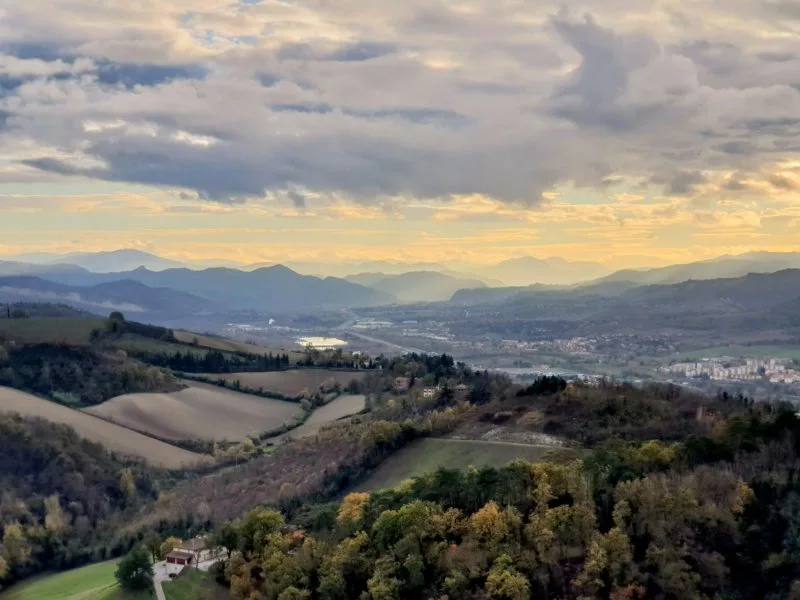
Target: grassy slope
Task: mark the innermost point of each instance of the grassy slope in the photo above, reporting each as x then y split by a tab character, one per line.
95	582
431	454
194	585
71	330
224	344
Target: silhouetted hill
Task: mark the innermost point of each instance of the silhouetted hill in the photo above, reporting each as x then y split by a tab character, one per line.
125	295
113	261
722	267
275	288
528	270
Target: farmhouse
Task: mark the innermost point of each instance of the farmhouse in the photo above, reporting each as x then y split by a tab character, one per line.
401	384
180	558
429	393
195	547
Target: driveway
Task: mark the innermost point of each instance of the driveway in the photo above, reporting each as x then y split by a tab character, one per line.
161	573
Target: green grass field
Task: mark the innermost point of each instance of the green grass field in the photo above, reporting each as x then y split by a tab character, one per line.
194	585
94	582
71	330
431	454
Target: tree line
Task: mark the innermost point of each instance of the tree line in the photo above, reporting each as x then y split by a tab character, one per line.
215	361
80	376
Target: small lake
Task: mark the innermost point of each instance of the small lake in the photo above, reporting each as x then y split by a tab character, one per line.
321	343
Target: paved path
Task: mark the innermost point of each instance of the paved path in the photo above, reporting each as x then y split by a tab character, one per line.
160	574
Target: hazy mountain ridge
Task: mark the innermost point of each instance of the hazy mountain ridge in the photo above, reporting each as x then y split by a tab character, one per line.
755	293
417	286
716	268
124	295
125	259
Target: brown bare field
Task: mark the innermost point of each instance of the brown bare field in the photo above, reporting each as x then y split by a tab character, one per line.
227	345
289	383
112	436
339	408
200	412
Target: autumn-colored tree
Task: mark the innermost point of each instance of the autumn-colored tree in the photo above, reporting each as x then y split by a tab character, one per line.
504	582
492	527
384	583
127	484
55	520
255	528
15	545
351	511
292	593
168	545
3	568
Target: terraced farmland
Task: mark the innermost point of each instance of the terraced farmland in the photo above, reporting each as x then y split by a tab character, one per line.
114	437
199	412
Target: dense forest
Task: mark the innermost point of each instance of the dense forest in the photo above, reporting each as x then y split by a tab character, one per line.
61	497
78	375
714	516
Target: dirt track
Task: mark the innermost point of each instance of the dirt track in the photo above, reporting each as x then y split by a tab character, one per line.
204	412
114	437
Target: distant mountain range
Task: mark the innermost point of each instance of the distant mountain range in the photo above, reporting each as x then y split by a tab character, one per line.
529	270
761	294
158	287
124	295
276	289
724	266
416	286
103	262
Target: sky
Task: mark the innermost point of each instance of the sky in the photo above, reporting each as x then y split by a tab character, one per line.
628	132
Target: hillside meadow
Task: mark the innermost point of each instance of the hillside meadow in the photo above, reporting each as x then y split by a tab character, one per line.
227	345
94	582
293	383
114	437
428	455
199	412
75	331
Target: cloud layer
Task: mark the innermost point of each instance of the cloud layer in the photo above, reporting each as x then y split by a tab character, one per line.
424	99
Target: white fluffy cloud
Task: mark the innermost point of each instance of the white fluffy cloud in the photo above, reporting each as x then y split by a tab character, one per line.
417	98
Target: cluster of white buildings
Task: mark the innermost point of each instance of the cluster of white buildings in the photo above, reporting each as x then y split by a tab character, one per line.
775	370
